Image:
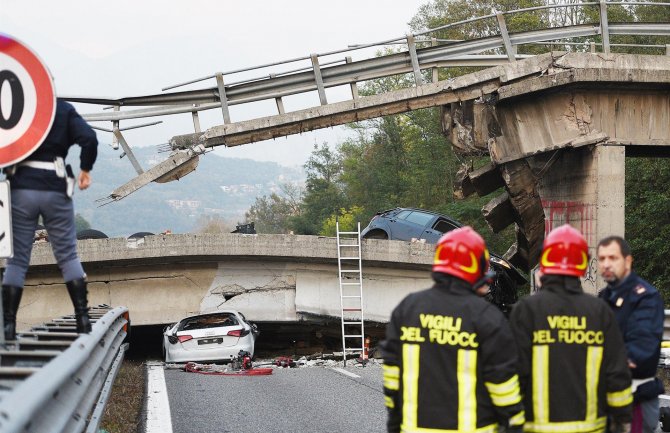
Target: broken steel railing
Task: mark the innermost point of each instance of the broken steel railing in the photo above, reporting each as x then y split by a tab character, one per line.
423	55
53	380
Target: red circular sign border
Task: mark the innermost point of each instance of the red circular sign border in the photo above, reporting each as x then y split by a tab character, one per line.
45	110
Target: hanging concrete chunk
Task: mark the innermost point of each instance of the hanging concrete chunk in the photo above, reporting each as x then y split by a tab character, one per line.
499	212
175	167
486	179
462	184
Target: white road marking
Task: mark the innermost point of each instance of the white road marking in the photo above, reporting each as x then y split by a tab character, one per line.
345	372
159	419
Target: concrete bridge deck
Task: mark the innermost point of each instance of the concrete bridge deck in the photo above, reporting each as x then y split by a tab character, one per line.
267	277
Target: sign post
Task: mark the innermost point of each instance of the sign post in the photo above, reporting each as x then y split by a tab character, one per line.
6	245
27	110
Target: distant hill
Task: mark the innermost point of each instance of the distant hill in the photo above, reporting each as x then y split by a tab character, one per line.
220	186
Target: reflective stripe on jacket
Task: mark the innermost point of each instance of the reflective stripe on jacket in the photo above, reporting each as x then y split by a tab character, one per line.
450	363
573	366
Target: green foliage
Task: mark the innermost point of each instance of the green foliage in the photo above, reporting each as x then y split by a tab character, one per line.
273	213
80	223
648	219
348	221
323	191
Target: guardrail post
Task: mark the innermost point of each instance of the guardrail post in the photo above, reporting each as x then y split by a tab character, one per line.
318	78
278	99
667	49
411	46
115	125
196	119
592	47
509	49
222	97
354	85
604	28
126	149
436	78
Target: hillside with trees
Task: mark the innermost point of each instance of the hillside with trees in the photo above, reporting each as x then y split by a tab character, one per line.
217	194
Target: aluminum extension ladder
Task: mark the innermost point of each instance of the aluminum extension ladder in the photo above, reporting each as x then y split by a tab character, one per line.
351	290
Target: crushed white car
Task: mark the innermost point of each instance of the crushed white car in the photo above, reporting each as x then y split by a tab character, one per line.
215	337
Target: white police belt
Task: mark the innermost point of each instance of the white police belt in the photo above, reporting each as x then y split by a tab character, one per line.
58	165
638	382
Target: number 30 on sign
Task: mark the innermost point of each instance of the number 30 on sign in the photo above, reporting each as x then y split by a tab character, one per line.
27	101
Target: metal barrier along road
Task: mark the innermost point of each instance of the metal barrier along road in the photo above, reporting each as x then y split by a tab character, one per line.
55	380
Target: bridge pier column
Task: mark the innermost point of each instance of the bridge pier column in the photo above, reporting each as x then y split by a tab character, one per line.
585	187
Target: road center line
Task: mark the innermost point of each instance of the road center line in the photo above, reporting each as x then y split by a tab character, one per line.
344	372
159	419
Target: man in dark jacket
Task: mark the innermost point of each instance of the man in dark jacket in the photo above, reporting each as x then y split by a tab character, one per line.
638	308
573	368
42	185
449	356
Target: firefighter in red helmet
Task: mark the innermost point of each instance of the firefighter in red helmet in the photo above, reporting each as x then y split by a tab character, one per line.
572	359
449	355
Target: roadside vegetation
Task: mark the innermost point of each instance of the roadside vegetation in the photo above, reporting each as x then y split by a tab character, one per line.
123	413
406	161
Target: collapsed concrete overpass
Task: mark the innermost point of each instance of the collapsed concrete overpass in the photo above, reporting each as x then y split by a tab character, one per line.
557	127
276	278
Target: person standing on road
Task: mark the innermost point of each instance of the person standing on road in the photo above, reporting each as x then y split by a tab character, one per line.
42	185
572	357
638	308
449	355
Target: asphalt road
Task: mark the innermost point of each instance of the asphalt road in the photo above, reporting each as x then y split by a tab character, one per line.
304	399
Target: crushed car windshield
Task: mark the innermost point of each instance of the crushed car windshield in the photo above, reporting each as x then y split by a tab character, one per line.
203	322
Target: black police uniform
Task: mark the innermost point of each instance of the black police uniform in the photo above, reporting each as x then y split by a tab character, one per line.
449	363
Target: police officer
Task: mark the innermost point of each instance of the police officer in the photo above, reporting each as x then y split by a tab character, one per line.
449	355
638	308
573	368
42	185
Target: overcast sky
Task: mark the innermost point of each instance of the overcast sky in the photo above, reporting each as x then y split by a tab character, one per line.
127	48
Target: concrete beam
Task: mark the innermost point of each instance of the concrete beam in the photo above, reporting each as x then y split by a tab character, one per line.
466	87
499	212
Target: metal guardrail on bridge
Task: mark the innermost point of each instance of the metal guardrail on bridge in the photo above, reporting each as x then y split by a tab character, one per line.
422	53
55	380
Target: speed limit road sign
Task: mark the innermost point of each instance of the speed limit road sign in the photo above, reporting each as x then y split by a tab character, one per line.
27	101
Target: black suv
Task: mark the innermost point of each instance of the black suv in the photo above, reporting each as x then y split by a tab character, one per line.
405	224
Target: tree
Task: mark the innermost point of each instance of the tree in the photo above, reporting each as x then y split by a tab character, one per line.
323	191
213	224
273	213
348	221
648	219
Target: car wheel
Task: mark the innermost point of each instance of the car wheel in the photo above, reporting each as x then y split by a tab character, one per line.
377	234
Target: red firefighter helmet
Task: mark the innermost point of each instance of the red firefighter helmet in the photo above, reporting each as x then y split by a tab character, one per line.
463	254
565	252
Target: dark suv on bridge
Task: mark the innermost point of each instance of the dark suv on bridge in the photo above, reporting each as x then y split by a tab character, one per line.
406	224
